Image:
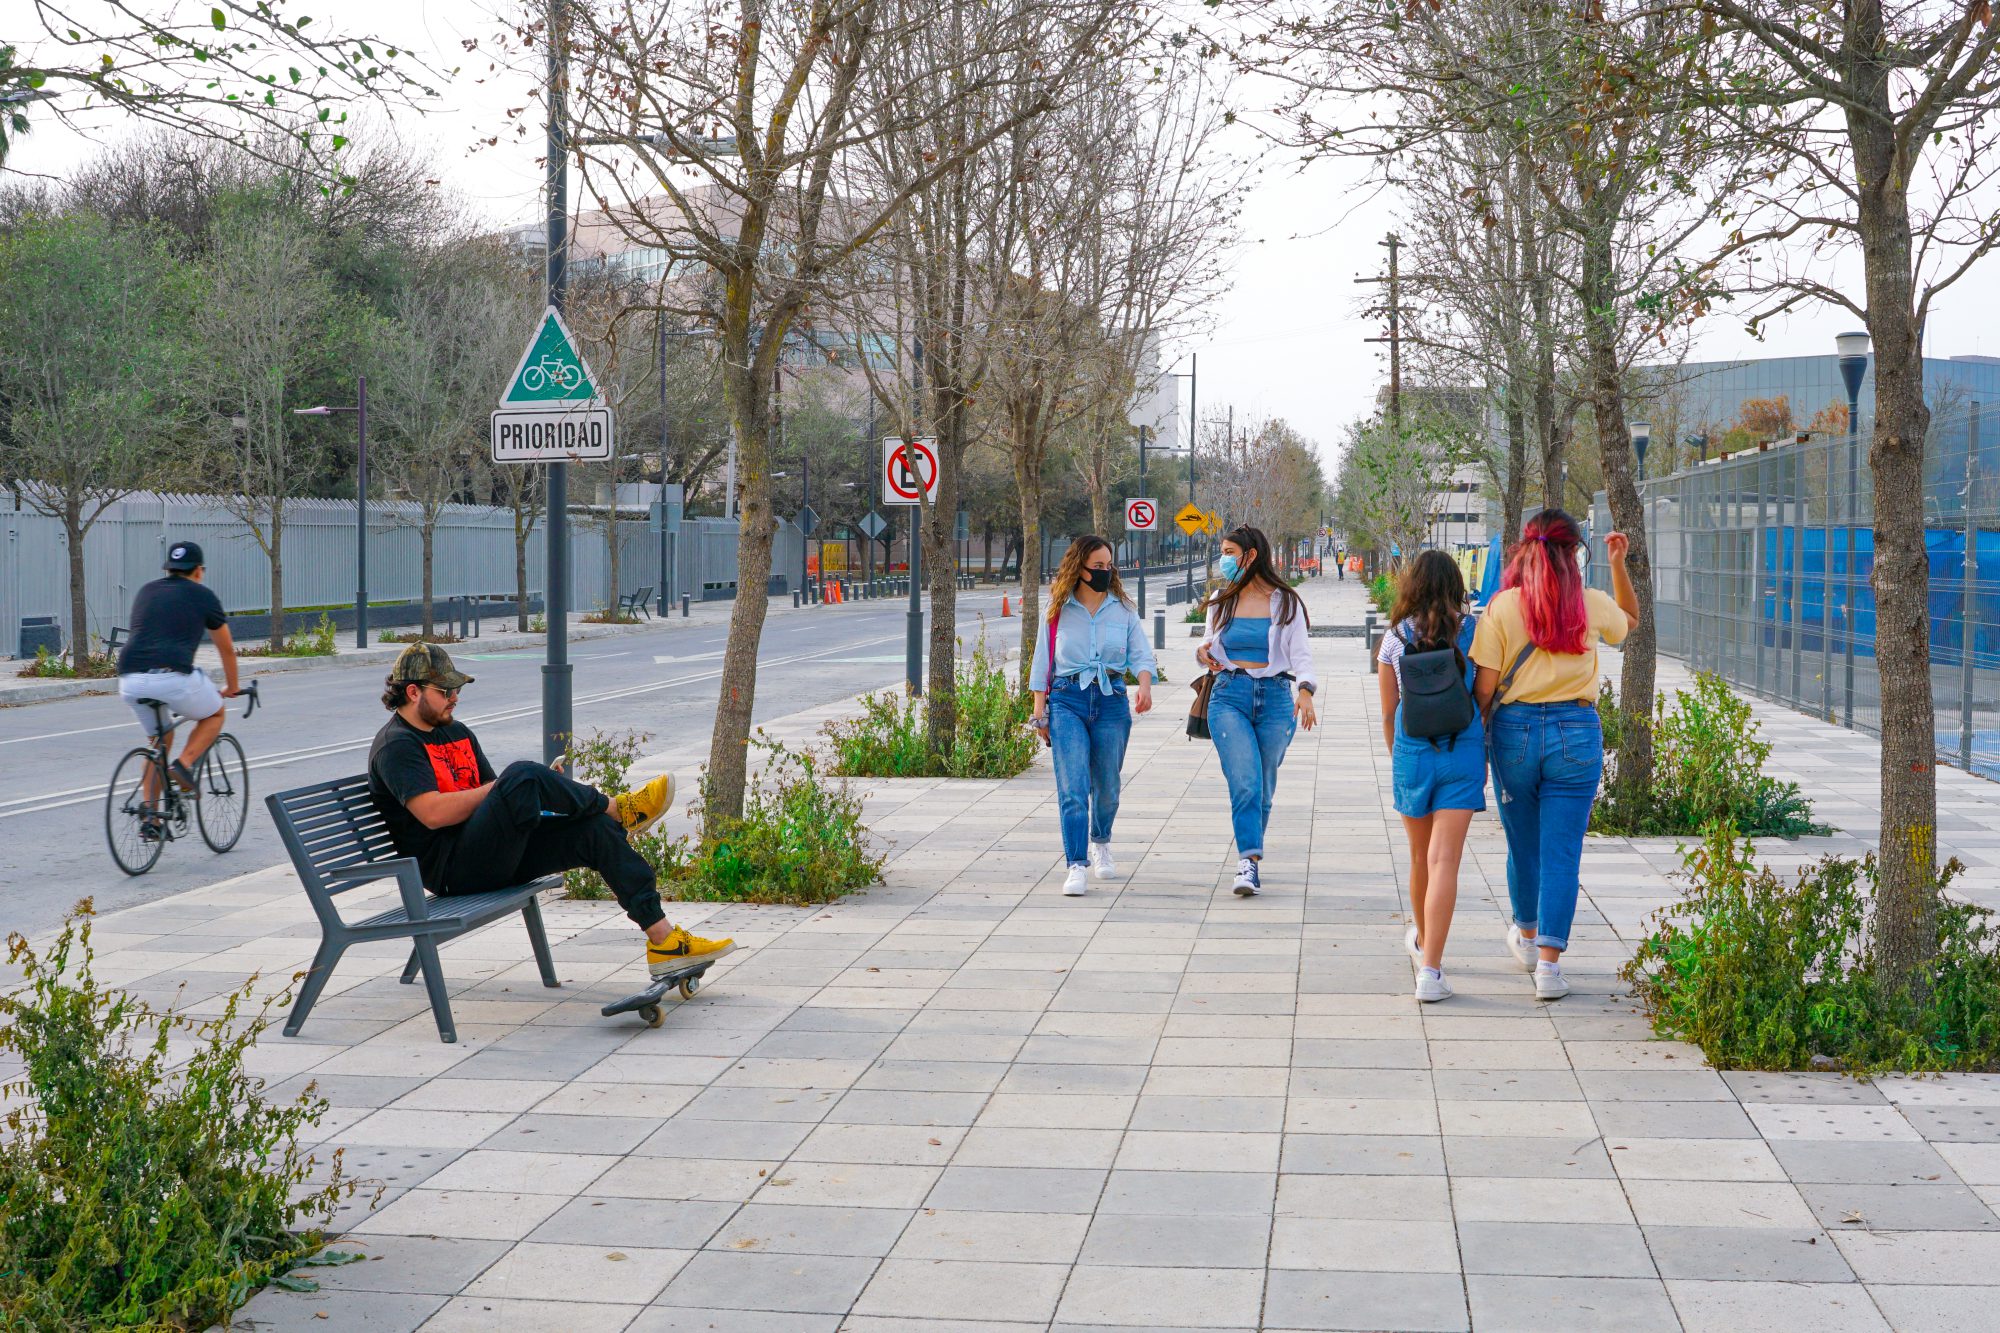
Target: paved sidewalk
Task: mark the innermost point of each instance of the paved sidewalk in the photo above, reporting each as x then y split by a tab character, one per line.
961	1101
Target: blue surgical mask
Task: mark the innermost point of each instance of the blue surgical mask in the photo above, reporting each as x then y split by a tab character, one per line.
1230	569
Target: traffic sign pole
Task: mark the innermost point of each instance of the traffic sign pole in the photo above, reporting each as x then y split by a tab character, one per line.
909	478
556	671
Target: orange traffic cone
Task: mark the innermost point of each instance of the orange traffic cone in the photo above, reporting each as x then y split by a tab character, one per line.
1006	612
838	595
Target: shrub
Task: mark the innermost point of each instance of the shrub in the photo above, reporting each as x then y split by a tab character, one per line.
1382	591
888	740
437	635
315	642
800	840
1708	765
608	617
1766	975
137	1194
53	666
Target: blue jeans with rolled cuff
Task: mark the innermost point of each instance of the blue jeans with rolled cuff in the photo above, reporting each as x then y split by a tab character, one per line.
1088	730
1250	720
1547	762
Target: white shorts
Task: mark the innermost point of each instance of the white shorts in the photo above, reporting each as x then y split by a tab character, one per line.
191	696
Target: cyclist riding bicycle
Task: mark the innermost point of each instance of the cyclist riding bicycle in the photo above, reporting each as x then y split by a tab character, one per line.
169	616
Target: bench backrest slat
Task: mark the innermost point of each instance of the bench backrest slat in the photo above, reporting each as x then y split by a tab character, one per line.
330	826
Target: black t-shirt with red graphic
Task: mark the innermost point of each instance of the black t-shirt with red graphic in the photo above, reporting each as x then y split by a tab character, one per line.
403	764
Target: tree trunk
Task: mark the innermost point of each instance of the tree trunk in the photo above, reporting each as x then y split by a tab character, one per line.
1514	497
278	574
79	606
1028	482
429	538
728	750
1906	893
941	571
1628	515
520	574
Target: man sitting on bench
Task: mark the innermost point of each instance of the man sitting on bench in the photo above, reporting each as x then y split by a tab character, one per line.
471	832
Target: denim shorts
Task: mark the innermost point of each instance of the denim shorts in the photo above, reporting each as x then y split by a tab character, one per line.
1431	778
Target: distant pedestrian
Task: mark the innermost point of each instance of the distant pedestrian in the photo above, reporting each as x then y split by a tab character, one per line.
1258	647
1437	748
1091	640
1340	564
1536	648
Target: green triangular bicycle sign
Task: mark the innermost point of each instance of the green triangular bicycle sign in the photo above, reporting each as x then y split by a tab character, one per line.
552	370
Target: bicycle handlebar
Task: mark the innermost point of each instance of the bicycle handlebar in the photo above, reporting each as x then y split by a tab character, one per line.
249	692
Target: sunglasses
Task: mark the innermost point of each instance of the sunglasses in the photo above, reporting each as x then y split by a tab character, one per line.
449	694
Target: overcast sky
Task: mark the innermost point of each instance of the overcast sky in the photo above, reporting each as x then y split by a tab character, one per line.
1288	340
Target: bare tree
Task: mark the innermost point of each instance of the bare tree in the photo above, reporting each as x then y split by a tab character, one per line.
1877	128
258	328
443	366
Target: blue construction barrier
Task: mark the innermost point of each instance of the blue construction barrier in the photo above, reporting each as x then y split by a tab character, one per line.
1950	624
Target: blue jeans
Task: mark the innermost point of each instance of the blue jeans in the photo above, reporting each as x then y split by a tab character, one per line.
1087	733
1547	760
1251	722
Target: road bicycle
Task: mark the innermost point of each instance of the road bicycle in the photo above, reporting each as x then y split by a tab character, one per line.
551	368
145	808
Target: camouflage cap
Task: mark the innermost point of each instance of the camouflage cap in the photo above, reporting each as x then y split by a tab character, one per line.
427	664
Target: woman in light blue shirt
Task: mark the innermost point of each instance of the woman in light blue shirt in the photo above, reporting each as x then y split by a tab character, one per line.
1091	639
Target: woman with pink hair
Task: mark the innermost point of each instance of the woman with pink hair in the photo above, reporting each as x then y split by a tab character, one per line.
1536	650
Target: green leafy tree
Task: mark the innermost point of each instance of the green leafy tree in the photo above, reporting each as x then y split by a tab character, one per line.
88	380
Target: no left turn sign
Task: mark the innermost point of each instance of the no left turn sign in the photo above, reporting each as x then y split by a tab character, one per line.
909	471
1141	515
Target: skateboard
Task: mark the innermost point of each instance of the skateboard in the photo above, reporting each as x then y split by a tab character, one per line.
647	1002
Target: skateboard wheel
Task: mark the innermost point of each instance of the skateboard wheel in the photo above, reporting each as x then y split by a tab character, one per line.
689	985
653	1014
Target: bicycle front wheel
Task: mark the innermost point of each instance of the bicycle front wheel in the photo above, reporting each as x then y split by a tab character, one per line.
223	783
126	812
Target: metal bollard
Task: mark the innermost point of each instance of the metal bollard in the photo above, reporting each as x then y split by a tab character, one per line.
685	599
796	596
1368	637
1159	629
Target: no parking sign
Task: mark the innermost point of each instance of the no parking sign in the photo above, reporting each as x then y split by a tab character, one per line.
909	471
1141	515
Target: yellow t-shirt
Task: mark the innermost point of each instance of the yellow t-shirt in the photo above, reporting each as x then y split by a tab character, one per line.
1546	677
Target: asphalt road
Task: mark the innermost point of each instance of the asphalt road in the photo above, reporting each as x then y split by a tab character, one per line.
56	758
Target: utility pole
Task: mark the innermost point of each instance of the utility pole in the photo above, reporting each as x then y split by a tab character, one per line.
1194	438
1393	244
556	671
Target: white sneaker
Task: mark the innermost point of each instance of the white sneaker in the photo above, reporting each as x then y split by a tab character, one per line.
1523	948
1247	883
1550	984
1410	946
1431	986
1102	863
1077	882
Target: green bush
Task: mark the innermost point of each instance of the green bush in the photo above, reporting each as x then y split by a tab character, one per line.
888	740
1708	765
1382	591
53	666
800	840
134	1193
315	642
1766	975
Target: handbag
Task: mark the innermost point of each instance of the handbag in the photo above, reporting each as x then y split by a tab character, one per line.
1197	723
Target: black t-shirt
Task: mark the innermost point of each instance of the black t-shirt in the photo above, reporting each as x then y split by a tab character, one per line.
404	763
169	616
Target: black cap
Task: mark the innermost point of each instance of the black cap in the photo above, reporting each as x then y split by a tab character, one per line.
183	556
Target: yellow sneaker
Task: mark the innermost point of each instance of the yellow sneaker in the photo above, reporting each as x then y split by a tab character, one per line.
670	954
641	808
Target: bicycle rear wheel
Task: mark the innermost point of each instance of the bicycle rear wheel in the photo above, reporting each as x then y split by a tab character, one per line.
126	811
223	782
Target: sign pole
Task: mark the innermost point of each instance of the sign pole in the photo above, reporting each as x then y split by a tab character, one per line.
913	647
1142	534
556	671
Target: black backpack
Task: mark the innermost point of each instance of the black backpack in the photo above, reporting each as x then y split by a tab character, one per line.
1436	703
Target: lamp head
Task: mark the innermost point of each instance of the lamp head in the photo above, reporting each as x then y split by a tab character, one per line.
1850	345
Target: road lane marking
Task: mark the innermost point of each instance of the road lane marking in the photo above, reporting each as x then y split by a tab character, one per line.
56	800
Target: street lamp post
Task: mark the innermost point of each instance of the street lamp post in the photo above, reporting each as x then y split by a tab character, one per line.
1642	439
1852	351
360	411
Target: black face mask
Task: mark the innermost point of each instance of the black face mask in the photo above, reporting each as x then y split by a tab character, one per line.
1098	579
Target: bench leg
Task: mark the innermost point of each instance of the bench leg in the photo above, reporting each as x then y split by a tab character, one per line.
427	952
410	968
538	939
324	960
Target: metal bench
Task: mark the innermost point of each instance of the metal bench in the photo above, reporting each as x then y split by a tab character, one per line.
338	840
633	603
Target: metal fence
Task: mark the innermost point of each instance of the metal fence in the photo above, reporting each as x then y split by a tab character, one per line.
473	556
1761	567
